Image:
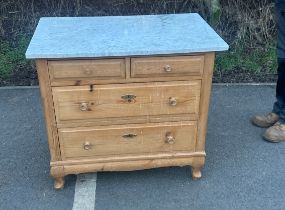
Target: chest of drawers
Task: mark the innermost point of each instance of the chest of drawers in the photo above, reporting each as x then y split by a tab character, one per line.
125	93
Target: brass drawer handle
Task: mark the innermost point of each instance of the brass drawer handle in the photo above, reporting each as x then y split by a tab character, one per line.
169	138
129	98
129	135
87	145
167	68
172	101
84	106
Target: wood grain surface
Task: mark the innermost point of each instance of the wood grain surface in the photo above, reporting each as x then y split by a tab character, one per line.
107	101
130	139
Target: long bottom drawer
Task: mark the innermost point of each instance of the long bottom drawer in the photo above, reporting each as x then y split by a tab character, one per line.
80	143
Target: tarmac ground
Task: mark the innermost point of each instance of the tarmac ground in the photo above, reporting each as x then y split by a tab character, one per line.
242	171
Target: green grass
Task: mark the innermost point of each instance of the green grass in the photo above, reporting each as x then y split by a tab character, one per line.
12	57
254	61
237	59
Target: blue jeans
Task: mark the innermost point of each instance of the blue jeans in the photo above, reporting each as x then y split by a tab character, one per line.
280	24
279	105
279	108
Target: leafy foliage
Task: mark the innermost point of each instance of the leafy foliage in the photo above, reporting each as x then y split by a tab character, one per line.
12	57
247	25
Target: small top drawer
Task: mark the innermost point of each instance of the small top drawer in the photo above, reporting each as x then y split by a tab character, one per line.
87	69
167	66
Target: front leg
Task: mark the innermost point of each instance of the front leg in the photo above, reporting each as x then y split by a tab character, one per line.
59	183
196	173
58	173
197	165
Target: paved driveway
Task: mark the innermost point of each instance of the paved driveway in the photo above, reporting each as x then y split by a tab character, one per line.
242	171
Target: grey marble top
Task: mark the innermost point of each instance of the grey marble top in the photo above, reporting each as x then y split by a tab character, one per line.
75	37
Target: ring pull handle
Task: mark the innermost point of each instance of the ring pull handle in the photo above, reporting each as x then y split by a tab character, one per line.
167	68
130	98
84	106
169	138
87	145
129	135
172	101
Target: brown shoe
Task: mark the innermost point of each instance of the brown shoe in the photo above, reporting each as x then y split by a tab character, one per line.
276	133
265	121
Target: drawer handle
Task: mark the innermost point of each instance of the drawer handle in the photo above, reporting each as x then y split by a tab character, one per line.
87	145
84	106
129	98
167	68
172	101
129	136
169	138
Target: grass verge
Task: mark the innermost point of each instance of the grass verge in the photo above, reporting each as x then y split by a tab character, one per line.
240	64
13	57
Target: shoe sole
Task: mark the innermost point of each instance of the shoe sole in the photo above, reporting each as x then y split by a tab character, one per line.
272	141
260	126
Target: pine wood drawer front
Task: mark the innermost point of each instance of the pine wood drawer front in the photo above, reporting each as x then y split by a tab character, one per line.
167	66
87	69
126	100
80	143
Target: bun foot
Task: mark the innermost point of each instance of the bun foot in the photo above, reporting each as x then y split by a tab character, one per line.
196	173
59	183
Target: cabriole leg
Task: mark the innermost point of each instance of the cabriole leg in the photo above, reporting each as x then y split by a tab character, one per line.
197	165
59	183
196	173
58	173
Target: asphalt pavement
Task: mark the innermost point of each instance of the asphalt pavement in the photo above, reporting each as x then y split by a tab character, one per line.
242	171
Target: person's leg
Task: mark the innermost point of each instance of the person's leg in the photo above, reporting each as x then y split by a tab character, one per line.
280	25
278	112
279	106
276	133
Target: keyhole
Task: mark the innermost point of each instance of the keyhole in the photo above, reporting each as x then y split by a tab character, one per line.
91	88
